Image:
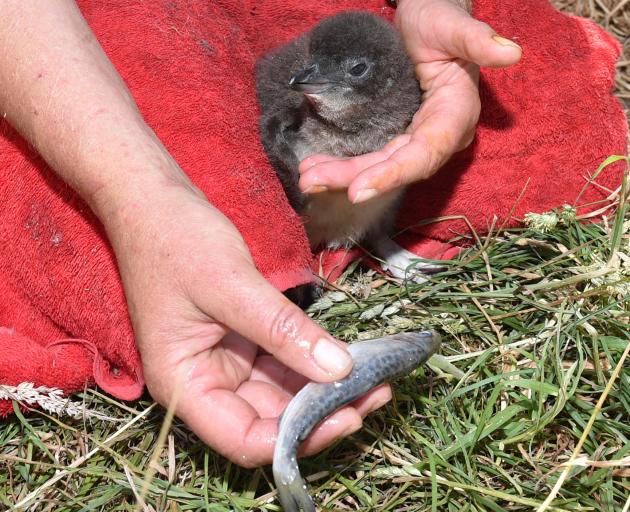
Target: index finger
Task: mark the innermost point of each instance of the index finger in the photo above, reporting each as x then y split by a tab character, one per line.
416	160
271	321
338	174
246	434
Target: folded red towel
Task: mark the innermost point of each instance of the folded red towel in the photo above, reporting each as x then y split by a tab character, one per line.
548	122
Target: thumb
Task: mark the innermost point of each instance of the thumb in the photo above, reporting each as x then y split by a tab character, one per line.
478	42
259	312
442	30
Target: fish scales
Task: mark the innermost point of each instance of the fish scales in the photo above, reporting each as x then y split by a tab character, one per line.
375	361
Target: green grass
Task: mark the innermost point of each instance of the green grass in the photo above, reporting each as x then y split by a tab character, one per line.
537	322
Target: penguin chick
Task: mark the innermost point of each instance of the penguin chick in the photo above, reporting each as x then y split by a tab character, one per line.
345	88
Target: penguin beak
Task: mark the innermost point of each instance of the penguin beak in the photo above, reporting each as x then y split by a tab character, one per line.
310	81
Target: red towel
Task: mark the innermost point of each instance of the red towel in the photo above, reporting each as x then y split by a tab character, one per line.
550	120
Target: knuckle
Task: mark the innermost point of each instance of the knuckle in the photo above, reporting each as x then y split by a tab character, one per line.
398	180
285	327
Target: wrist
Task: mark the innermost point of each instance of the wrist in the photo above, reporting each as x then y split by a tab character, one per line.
142	210
121	162
136	188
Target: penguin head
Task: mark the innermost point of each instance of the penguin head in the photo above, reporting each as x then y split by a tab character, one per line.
355	60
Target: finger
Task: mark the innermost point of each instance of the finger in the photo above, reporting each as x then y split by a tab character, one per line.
336	174
270	401
351	417
269	369
312	160
245	438
277	325
267	399
339	424
413	162
238	433
339	174
373	400
462	36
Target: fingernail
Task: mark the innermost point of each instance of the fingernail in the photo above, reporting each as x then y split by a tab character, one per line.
315	189
365	195
505	42
331	357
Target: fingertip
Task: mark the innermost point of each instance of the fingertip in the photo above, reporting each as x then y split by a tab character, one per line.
363	195
307	181
382	395
362	183
491	50
503	41
375	181
306	164
332	174
353	426
478	42
333	358
311	183
315	189
312	160
507	52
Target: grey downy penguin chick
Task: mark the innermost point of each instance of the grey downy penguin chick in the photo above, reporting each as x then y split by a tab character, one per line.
343	89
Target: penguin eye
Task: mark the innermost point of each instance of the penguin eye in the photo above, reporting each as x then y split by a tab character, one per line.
358	69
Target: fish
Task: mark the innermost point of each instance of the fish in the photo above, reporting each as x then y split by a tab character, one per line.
375	361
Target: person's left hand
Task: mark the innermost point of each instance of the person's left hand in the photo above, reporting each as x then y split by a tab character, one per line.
446	46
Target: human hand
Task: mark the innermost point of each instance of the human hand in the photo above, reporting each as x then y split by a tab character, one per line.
201	312
446	46
199	308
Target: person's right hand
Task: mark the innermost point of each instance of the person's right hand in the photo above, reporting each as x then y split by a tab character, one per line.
201	313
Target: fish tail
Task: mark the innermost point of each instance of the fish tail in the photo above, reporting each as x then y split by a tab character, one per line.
292	491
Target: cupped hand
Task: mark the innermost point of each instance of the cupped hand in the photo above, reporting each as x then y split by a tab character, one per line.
446	46
215	335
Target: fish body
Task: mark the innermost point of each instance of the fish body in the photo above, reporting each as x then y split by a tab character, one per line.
375	361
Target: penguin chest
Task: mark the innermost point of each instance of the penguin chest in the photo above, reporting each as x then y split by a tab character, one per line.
331	220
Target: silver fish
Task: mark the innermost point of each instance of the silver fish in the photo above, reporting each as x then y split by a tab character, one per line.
375	361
